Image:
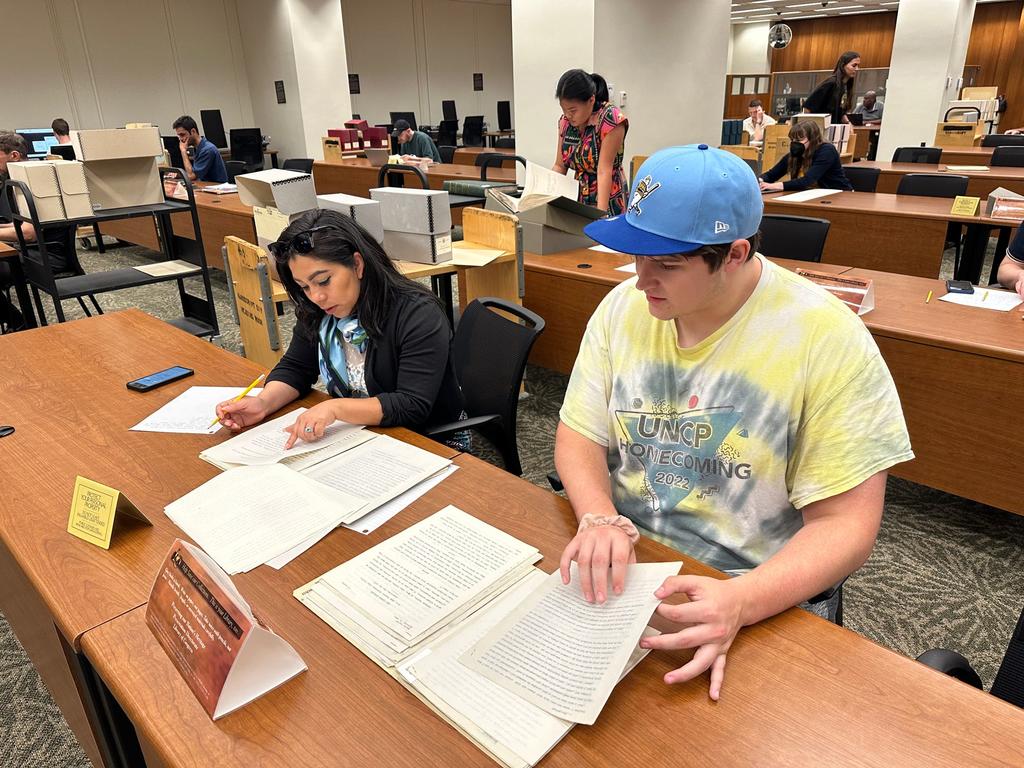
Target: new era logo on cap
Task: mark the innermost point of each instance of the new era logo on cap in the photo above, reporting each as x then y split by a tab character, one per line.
720	227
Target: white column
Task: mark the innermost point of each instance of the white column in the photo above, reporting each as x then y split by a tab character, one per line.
748	49
927	62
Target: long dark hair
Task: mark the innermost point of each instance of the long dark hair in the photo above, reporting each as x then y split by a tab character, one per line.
380	283
810	130
578	85
838	74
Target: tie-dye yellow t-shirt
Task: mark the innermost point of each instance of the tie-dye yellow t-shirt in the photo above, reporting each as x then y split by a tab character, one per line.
715	448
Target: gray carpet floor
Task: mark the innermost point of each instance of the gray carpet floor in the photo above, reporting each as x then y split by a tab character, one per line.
946	572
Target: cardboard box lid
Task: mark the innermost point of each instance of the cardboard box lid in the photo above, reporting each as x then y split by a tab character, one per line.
288	191
38	175
116	143
70	177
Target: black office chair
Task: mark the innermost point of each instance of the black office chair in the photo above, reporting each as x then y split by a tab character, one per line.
486	159
932	185
391	176
447	133
447	153
409	117
504	116
1003	140
505	143
862	179
303	164
926	155
247	146
1008	156
234	168
1009	682
448	110
489	353
793	237
473	131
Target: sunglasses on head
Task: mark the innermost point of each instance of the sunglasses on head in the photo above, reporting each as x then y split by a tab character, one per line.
302	243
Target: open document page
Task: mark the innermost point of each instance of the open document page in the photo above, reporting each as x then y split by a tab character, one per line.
542	185
563	654
190	412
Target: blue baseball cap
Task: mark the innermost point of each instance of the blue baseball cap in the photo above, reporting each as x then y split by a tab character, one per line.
684	198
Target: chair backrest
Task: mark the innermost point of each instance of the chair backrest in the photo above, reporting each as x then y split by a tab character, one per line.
213	127
448	110
1009	682
252	289
932	185
234	168
1008	156
1003	140
504	115
447	132
793	237
486	160
927	155
247	145
862	179
390	175
410	117
447	153
473	131
489	352
304	164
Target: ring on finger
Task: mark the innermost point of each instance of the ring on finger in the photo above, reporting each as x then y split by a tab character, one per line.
308	430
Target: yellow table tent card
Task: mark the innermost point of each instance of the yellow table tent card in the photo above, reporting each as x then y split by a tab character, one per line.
965	206
94	509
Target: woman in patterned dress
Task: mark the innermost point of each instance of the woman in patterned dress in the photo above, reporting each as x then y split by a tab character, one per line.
591	135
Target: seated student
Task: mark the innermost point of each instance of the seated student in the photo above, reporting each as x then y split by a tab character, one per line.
415	143
380	341
811	162
207	164
871	108
1011	268
726	407
13	149
757	121
61	130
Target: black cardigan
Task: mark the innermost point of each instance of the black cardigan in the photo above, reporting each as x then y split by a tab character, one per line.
827	97
825	171
410	369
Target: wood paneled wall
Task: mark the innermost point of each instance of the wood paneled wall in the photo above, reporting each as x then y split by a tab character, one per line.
996	46
818	43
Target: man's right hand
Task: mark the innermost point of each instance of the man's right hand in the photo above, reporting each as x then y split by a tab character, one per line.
238	414
596	550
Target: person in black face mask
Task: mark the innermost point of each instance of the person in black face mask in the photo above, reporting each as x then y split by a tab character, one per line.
811	162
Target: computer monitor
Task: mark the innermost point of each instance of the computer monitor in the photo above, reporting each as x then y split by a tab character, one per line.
213	127
173	147
39	141
63	151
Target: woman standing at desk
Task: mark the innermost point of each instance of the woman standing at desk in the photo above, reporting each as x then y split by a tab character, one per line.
835	95
591	135
380	341
811	162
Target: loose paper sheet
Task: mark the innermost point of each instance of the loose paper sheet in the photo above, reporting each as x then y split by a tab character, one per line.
474	257
807	194
604	249
631	268
563	654
191	412
163	268
966	167
983	298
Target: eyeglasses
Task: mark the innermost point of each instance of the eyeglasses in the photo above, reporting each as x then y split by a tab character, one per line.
302	243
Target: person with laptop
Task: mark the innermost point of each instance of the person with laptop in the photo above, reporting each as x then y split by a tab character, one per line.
756	122
811	162
61	130
414	143
202	160
1011	268
870	109
726	407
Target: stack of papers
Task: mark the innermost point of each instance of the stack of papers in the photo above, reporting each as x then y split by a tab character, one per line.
807	195
219	189
983	298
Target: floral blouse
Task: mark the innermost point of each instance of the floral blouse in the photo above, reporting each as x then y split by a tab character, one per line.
581	151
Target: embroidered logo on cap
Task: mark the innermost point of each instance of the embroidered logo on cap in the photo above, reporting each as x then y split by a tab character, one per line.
720	227
643	191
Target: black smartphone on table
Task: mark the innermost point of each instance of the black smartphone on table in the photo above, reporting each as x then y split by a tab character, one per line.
959	286
158	379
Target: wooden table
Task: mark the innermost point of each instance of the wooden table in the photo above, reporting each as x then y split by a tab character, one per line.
468	156
64	392
225	152
867	135
966	155
493	136
980	183
855	702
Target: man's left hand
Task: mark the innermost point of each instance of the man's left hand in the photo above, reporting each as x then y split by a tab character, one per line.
714	616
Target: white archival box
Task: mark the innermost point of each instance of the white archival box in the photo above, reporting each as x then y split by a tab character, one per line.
364	211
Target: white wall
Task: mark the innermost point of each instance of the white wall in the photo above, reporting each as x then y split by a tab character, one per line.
748	49
431	50
928	54
675	89
102	63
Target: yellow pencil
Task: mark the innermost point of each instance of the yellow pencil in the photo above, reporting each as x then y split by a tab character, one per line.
242	394
984	295
928	297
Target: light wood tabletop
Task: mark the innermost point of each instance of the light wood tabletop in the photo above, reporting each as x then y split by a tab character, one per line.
980	183
966	155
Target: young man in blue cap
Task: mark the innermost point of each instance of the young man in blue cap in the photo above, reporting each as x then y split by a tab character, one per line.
726	407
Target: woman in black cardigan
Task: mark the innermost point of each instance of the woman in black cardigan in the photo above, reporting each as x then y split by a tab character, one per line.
380	341
811	162
835	95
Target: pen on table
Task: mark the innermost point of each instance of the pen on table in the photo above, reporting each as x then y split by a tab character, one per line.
928	297
984	295
242	394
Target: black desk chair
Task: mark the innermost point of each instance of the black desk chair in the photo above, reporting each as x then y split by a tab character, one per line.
1008	156
234	168
303	164
504	143
932	185
449	111
926	155
489	352
247	146
473	131
1009	682
447	133
862	179
486	159
391	176
793	237
447	153
504	116
1003	140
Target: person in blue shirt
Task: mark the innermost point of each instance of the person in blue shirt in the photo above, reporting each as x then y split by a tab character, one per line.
811	162
205	164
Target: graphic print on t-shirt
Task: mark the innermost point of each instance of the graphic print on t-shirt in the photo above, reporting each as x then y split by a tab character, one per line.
682	452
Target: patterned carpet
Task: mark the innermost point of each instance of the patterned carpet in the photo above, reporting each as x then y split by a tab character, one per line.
945	572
